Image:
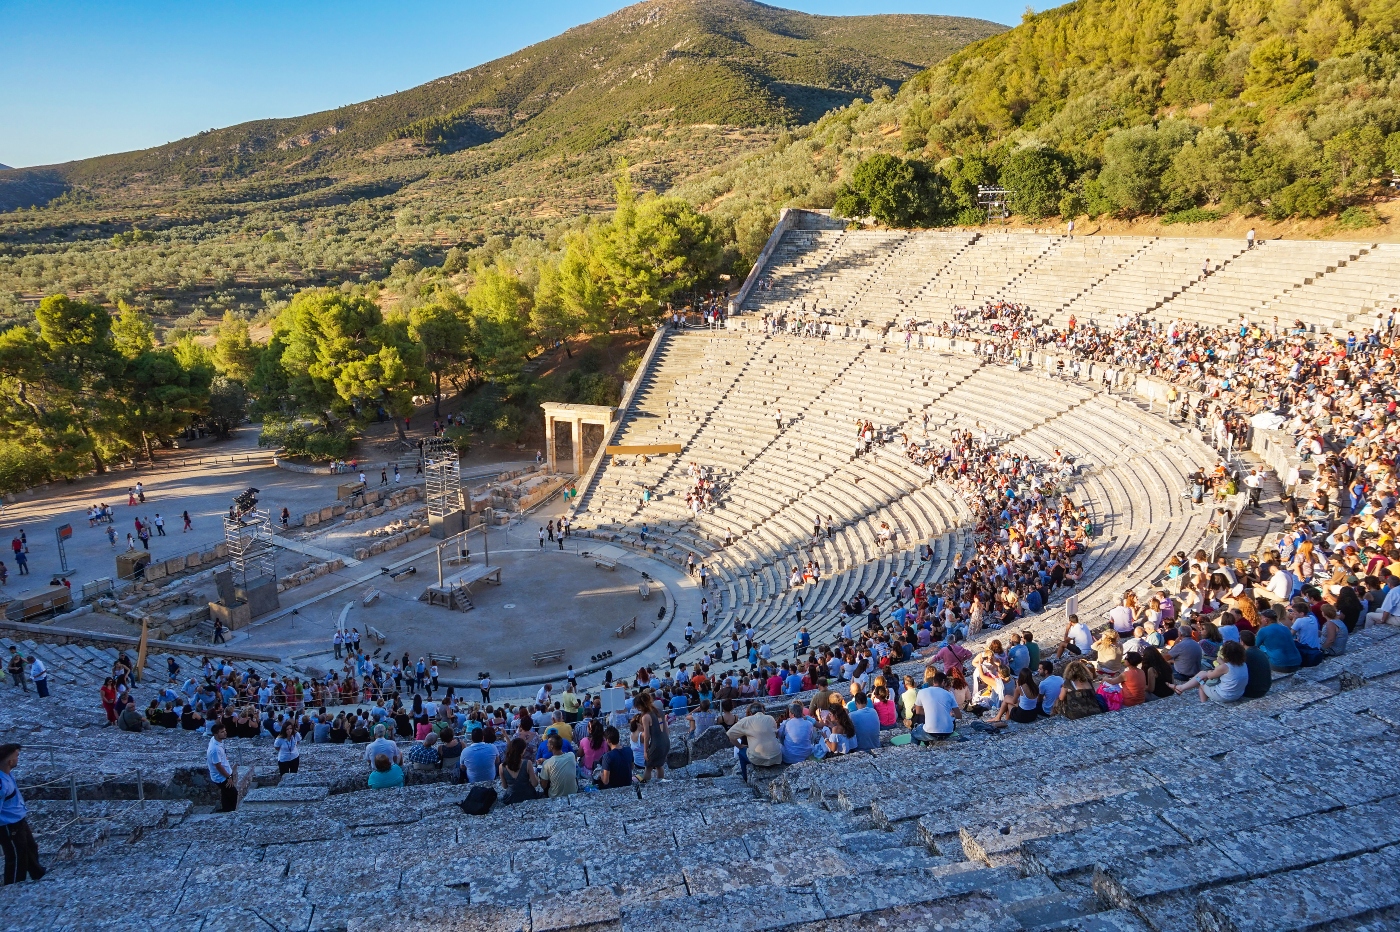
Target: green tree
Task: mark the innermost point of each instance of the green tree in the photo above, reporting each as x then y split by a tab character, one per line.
132	331
1273	63
500	314
228	404
1207	168
1037	179
896	192
583	280
82	368
551	317
443	329
1357	154
340	358
235	355
162	395
1136	163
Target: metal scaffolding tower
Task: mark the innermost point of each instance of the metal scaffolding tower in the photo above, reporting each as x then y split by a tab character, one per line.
444	479
250	550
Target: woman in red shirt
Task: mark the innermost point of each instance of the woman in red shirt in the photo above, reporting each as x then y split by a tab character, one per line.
109	700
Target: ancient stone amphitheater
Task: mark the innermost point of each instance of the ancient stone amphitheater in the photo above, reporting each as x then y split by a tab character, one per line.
1276	814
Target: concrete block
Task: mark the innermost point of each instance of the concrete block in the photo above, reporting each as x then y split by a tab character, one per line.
311	520
338	509
327	513
208	556
220	551
156	571
193	561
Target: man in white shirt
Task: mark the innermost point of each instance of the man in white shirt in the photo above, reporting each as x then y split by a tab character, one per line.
1389	611
940	709
221	773
382	745
39	674
1255	484
1078	638
1280	584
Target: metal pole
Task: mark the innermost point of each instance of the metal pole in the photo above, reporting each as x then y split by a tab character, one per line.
141	787
439	562
73	792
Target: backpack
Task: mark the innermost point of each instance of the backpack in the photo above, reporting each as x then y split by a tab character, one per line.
479	800
1081	703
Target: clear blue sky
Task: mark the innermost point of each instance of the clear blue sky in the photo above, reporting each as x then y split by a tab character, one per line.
82	79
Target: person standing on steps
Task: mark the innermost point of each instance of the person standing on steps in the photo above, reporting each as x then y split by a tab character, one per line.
16	669
221	773
1249	239
16	838
704	611
486	688
39	675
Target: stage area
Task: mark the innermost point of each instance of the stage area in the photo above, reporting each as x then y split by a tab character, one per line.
547	600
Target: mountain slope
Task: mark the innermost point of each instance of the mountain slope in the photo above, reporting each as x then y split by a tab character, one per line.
729	62
1275	108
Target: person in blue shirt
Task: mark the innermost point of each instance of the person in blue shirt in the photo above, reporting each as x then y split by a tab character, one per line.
1276	640
479	762
793	683
679	704
867	724
16	839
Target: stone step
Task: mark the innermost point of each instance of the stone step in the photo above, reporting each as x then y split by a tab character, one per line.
1317	897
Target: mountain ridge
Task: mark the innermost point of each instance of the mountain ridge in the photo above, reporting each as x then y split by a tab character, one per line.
724	62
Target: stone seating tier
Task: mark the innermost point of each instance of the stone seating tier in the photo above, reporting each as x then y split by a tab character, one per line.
1098	824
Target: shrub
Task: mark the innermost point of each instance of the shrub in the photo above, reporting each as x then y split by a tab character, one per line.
460	438
1358	218
1191	215
628	367
298	438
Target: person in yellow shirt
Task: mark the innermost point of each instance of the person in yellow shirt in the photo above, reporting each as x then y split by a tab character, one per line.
569	702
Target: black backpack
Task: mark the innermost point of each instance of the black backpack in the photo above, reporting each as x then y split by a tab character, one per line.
479	800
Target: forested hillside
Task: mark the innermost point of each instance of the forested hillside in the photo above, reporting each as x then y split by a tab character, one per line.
1185	109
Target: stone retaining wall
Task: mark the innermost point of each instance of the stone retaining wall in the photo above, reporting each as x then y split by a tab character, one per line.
307	574
391	542
369	504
